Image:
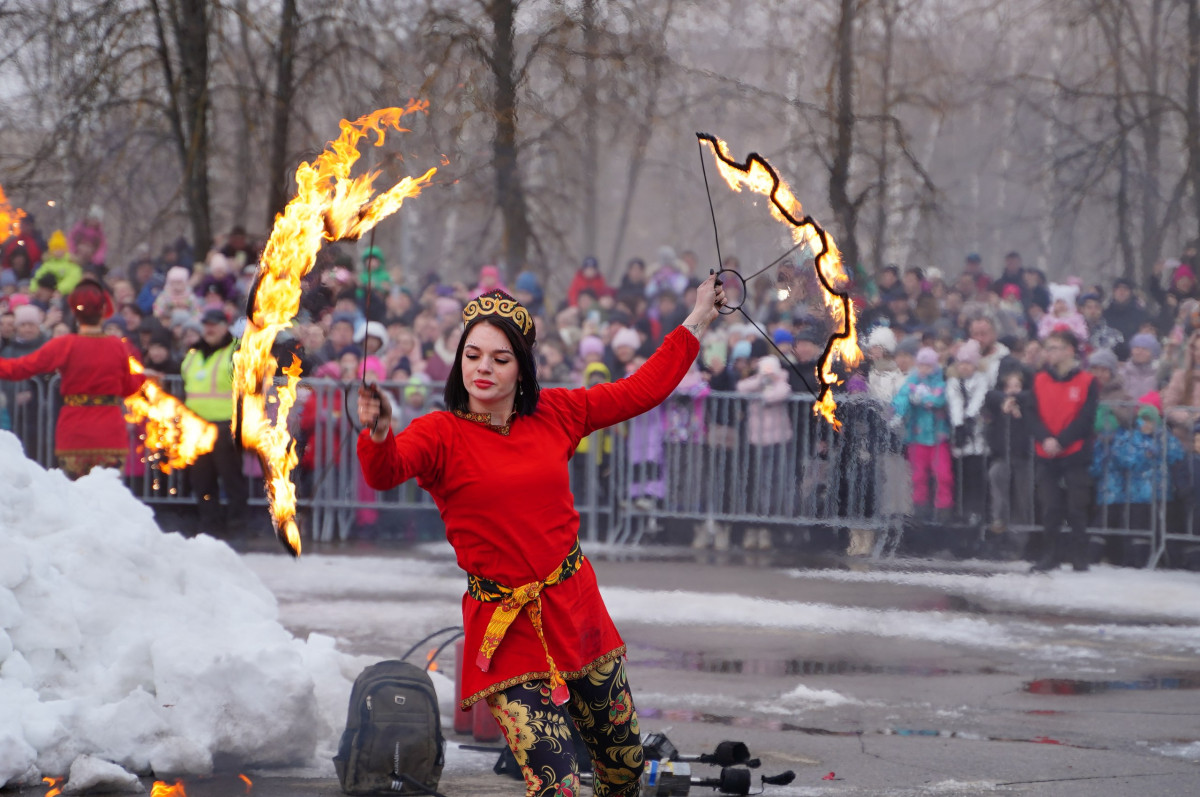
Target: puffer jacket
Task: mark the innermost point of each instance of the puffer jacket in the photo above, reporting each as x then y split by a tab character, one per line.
920	407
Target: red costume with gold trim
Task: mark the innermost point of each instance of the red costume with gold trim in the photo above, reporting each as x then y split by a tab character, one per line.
504	495
95	380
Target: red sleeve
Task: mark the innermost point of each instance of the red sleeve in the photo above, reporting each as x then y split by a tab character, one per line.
416	451
50	357
612	402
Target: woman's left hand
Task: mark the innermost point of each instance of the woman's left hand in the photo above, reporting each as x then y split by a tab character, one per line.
710	296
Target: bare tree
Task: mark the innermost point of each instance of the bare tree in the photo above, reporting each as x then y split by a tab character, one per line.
182	31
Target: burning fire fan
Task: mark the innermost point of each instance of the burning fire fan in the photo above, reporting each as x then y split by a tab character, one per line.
10	217
761	178
177	433
328	206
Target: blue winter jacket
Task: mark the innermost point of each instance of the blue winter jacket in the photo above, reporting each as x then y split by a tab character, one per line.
920	405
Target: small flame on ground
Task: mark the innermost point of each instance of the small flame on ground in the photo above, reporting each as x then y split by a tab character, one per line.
10	217
53	784
328	205
431	665
171	428
161	789
249	783
761	178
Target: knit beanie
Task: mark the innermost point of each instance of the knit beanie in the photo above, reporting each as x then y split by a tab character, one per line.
1145	340
57	242
969	352
626	337
1063	292
927	356
910	346
883	337
591	345
1103	358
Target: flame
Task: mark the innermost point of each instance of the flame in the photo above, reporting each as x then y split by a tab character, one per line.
171	428
249	783
161	789
761	178
10	217
51	782
431	665
328	205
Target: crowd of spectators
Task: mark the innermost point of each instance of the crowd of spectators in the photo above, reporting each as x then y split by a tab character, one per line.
948	353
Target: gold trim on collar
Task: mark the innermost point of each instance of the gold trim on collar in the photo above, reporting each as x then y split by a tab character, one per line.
485	419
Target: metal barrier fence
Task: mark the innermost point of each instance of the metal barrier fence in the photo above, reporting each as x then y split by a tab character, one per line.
722	460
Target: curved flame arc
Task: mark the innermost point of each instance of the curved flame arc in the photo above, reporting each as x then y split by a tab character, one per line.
329	205
758	176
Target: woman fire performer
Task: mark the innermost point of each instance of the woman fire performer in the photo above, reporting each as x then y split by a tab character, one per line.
545	652
95	380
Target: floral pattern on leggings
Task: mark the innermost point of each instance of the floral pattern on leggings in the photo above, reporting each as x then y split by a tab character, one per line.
539	735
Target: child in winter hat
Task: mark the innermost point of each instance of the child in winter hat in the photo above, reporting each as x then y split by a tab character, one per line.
1063	312
1140	373
920	410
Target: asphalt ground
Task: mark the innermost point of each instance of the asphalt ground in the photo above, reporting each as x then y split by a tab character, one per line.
926	718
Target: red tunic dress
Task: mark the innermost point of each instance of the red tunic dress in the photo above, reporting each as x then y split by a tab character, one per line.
507	505
91	430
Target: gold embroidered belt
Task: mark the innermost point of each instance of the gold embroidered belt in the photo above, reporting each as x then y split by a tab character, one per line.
91	400
512	600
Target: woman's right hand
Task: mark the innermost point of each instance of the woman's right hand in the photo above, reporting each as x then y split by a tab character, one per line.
374	412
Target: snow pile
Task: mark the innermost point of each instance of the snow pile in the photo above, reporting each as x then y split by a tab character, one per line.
150	650
1117	591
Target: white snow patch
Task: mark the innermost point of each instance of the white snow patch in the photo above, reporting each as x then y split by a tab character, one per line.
1189	751
1121	592
714	609
958	787
148	650
92	774
807	695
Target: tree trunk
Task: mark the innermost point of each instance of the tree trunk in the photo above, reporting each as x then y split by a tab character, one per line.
1152	151
843	207
1193	107
591	143
188	105
243	153
885	138
1122	226
641	139
510	195
285	88
192	35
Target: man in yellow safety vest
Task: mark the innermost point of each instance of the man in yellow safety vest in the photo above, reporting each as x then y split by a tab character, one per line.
207	372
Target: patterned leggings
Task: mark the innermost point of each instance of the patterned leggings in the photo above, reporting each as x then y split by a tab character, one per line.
538	732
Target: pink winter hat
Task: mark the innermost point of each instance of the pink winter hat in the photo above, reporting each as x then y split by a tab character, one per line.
969	352
927	356
591	345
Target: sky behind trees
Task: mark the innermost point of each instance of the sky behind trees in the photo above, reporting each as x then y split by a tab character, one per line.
914	130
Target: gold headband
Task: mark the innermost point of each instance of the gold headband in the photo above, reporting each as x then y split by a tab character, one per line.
501	304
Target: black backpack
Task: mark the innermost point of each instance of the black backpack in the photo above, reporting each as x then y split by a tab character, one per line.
393	741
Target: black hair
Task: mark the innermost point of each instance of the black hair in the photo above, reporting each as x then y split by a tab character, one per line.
528	390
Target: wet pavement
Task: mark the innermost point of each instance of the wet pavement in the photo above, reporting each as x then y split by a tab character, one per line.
1069	708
